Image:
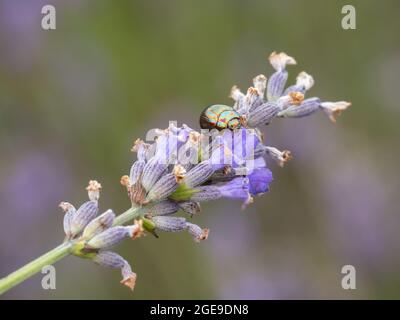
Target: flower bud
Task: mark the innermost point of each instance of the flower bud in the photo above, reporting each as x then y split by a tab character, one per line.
152	172
276	84
263	114
277	81
141	148
86	213
306	108
284	101
169	224
136	171
163	188
252	100
199	174
137	194
188	153
70	211
111	236
206	193
99	224
163	208
260	150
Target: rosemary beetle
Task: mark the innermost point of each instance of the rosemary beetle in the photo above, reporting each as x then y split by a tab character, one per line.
220	117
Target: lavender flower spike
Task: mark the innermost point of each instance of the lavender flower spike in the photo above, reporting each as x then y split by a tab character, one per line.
183	168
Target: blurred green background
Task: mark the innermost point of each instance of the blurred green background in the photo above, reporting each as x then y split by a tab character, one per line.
72	100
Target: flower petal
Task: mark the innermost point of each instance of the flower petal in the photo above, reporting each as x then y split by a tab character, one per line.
259	181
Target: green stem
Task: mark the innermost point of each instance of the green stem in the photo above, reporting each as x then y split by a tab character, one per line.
34	266
128	215
55	255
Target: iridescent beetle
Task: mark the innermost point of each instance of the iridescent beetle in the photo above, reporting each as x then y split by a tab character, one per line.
220	117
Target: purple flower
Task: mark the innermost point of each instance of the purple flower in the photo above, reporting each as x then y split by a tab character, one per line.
237	189
259	181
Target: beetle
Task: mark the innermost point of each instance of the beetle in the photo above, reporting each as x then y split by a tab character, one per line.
220	117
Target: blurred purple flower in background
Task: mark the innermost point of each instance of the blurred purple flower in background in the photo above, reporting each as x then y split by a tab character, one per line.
237	262
355	195
19	20
35	183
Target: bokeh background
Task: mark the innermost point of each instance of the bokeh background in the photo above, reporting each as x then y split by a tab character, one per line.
72	101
